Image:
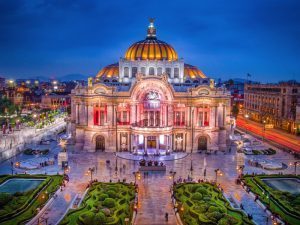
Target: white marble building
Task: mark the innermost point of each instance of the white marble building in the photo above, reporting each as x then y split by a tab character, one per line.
150	101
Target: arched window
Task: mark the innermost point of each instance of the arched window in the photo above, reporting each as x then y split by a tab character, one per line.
168	71
195	81
133	71
159	71
176	72
187	81
143	70
126	72
151	71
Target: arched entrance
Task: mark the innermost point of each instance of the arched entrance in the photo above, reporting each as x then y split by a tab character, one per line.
202	143
100	143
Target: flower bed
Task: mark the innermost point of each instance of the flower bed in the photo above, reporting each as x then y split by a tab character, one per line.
21	206
283	203
203	203
105	203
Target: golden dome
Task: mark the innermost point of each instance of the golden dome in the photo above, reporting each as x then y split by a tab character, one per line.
193	71
109	71
151	48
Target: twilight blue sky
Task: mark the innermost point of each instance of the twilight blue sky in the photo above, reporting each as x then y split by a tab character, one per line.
223	38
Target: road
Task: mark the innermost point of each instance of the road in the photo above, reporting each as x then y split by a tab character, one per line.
274	135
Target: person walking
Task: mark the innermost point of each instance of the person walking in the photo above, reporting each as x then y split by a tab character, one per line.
167	217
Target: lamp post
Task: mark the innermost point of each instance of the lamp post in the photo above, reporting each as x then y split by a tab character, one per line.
172	175
240	169
137	175
90	172
263	131
246	116
218	172
295	166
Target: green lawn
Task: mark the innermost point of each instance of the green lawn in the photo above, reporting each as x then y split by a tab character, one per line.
285	204
22	206
105	203
203	203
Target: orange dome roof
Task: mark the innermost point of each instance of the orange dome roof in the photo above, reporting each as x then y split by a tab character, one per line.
193	71
109	71
151	48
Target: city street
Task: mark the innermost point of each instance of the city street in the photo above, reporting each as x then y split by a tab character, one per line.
284	139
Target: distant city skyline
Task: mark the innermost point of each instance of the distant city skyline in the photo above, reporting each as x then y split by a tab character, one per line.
224	39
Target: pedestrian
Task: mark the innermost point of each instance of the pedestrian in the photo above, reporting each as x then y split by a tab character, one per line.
167	217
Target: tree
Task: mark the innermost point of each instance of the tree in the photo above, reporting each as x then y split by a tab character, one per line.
7	106
235	110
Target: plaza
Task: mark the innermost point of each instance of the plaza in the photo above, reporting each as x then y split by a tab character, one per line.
154	197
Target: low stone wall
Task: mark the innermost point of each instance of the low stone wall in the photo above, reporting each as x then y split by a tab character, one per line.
13	144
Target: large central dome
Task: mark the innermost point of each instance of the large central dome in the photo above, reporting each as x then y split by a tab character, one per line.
151	48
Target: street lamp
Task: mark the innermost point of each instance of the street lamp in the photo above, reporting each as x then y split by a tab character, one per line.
172	175
247	116
296	163
91	171
137	175
240	169
218	172
264	129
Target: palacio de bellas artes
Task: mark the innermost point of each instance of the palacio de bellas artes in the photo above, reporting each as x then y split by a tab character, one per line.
150	102
149	113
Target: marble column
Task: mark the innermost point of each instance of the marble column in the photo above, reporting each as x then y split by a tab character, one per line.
110	114
157	144
145	144
216	117
212	117
90	115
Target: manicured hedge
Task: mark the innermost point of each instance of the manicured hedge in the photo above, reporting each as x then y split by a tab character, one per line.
24	205
105	203
203	203
282	203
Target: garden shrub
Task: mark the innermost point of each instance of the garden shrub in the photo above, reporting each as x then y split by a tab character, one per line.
214	216
87	218
202	190
102	197
99	218
4	199
112	194
197	196
109	202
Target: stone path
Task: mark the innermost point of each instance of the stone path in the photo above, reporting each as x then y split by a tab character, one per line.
155	200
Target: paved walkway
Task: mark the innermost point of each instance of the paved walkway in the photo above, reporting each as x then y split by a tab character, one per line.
154	195
155	200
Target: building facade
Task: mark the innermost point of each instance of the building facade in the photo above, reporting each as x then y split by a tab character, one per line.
150	101
274	104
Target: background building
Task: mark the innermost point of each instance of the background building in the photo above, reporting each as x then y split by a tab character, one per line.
274	104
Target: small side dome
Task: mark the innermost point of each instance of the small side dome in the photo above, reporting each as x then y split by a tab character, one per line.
109	71
193	72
